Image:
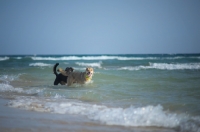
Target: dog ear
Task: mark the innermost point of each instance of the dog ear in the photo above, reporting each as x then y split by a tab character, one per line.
60	70
66	68
89	68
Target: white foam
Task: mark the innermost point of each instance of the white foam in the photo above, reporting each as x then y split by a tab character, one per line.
93	58
40	64
48	58
97	64
4	58
164	66
10	88
19	58
132	68
106	57
131	116
9	78
57	96
113	116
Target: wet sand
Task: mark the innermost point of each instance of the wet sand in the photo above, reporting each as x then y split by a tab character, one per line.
17	120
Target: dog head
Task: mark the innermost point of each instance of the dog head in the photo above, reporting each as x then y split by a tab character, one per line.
89	71
69	69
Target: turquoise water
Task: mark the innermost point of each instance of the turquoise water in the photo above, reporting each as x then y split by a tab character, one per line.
161	90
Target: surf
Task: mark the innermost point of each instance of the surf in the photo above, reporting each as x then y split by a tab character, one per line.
146	116
40	64
163	66
4	58
127	90
95	64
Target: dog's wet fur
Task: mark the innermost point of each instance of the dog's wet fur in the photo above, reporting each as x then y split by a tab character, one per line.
62	77
80	77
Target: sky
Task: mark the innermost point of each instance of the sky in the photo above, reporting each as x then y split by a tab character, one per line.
99	26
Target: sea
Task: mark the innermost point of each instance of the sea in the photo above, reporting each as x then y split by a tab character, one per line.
127	90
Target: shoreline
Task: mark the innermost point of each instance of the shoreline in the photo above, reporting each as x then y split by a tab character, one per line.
18	120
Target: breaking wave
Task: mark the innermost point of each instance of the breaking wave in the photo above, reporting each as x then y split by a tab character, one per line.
10	88
4	58
97	64
18	58
105	57
164	66
40	64
92	58
8	78
130	116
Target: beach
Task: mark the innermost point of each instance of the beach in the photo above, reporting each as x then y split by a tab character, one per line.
140	93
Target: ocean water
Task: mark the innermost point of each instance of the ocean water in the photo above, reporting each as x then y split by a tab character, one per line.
144	90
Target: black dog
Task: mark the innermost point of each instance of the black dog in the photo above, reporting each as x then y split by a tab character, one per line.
59	77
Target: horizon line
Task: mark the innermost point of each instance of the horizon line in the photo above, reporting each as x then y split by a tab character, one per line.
102	54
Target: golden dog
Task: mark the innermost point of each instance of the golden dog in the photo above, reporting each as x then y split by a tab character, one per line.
80	77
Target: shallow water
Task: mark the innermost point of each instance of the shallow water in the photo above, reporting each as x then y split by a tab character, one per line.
126	90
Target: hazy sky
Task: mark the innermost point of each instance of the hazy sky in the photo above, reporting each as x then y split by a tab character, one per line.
99	26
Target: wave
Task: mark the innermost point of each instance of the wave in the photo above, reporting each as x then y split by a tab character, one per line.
18	58
102	57
164	66
4	58
146	116
10	88
97	64
9	78
40	64
92	58
105	57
